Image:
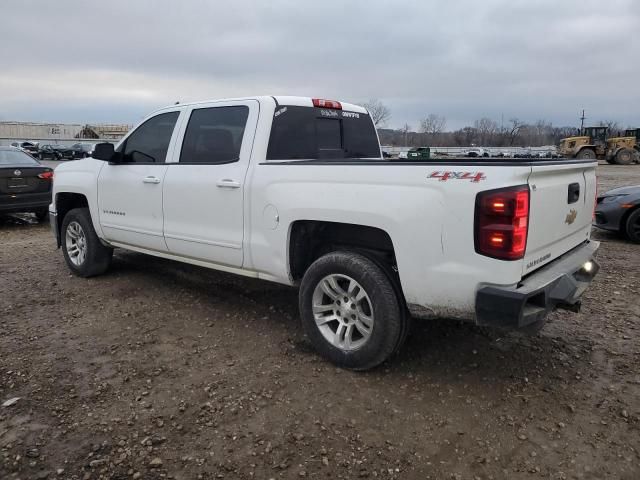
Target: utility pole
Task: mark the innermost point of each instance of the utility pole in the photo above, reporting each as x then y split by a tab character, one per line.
582	118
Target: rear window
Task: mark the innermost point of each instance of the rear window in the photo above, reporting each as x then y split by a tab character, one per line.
320	133
14	157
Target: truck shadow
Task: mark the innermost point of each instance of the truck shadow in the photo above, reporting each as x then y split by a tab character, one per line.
444	349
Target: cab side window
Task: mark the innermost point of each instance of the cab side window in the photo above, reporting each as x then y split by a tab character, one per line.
150	141
214	135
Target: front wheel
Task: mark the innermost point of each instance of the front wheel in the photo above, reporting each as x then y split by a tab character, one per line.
350	310
625	156
633	226
586	154
85	255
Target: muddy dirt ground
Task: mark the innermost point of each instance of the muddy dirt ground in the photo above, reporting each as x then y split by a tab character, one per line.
162	370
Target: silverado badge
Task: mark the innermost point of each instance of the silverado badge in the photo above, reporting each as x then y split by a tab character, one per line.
571	217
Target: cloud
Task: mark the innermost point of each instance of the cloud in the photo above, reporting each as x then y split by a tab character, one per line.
116	61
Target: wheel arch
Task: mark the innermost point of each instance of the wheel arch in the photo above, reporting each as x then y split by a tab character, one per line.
625	217
310	239
586	147
64	202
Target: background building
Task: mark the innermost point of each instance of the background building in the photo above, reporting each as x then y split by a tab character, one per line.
59	132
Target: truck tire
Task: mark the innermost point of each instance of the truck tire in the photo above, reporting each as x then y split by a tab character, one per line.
350	310
85	255
586	154
625	157
632	227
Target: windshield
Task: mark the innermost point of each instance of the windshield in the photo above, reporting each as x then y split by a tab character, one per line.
15	157
320	133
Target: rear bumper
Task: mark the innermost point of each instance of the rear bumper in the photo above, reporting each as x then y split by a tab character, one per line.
25	202
557	285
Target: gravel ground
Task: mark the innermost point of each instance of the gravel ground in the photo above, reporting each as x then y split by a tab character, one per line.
162	370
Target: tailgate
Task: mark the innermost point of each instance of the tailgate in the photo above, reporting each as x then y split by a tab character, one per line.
561	210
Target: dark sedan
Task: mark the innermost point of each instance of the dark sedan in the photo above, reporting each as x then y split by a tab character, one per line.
619	210
77	150
25	184
49	152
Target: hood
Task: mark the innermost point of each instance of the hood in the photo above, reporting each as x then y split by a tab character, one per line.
630	190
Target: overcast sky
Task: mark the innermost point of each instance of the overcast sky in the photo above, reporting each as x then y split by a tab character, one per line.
115	61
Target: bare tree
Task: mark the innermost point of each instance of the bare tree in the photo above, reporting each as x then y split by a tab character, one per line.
380	113
406	128
514	130
465	137
486	128
433	124
613	126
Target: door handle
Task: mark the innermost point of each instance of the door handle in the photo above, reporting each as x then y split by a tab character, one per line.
151	179
227	183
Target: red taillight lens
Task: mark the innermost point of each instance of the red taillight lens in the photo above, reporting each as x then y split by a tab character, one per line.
502	222
46	175
318	102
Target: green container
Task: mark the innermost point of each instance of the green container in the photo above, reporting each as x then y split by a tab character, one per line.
420	153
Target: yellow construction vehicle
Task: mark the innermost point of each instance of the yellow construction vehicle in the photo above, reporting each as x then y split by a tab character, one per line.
624	150
594	144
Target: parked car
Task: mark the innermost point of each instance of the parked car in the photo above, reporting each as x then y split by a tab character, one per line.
524	154
49	152
295	190
25	184
29	147
619	210
476	152
419	153
77	150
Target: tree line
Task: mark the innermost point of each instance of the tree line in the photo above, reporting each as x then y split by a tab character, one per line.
486	132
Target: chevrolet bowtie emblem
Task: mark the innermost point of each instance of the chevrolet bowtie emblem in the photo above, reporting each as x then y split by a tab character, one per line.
571	217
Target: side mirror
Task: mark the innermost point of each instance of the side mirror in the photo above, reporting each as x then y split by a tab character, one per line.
103	151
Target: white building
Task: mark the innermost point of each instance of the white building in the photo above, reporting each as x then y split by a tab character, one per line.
64	132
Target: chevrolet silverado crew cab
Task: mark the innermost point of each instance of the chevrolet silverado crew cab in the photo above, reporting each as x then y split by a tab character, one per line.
295	190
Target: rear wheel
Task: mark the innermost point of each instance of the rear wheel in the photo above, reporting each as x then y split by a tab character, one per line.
586	154
633	226
625	156
350	310
85	255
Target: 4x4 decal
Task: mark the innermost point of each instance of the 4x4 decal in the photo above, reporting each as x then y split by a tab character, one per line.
474	177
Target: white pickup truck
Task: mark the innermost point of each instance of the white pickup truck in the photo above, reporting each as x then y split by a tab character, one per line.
295	190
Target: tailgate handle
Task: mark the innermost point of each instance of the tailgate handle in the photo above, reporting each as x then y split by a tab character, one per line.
574	193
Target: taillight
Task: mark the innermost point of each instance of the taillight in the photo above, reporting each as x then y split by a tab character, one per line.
46	175
502	222
318	102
